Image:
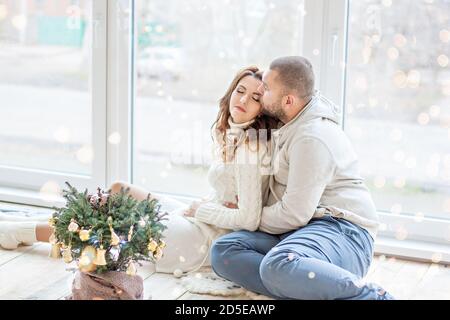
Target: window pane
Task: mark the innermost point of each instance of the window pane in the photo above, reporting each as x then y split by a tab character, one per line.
398	102
45	58
187	54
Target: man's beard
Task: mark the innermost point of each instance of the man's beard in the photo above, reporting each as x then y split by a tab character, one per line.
274	111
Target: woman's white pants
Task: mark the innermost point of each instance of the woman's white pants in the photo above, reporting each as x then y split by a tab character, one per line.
187	241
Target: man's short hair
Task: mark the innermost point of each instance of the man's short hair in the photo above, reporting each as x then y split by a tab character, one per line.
295	74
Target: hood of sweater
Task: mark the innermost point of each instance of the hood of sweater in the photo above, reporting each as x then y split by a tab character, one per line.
318	108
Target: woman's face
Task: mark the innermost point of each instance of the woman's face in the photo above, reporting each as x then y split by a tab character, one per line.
245	100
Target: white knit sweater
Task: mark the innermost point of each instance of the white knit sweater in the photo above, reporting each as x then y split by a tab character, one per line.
242	181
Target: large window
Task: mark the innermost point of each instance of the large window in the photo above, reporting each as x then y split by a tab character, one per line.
187	54
49	84
398	103
45	62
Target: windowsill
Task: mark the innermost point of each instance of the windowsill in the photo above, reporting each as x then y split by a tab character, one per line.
28	197
34	198
412	250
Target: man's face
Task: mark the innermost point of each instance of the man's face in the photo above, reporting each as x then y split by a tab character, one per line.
271	95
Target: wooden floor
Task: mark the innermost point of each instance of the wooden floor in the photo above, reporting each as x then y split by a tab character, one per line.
28	273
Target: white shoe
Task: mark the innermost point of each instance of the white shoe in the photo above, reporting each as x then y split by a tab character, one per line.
13	234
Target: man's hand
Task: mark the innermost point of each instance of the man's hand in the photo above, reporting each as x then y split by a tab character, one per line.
230	205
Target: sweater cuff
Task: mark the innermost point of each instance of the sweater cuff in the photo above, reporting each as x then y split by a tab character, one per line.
204	212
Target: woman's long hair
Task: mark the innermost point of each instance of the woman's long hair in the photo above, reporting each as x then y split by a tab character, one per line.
221	125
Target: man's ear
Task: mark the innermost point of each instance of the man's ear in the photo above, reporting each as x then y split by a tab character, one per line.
288	101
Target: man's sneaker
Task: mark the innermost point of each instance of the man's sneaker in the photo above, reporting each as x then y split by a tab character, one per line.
384	295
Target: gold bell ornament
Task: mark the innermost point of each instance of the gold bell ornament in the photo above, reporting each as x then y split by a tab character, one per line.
100	257
152	246
158	253
67	254
55	251
86	263
85	235
131	270
115	240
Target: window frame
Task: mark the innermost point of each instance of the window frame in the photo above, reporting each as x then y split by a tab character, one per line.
22	185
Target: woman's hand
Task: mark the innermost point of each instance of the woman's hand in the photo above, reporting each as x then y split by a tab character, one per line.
190	212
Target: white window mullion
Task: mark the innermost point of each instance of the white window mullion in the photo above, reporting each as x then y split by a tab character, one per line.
120	91
325	45
99	92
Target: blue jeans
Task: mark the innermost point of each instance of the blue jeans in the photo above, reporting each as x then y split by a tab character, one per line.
325	260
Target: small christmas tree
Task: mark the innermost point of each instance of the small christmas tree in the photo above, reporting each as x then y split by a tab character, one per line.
107	232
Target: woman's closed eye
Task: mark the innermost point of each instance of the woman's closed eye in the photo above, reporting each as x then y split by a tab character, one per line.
255	97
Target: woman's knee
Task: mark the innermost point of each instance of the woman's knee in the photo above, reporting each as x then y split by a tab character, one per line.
116	186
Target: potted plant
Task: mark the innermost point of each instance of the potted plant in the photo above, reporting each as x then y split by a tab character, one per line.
106	235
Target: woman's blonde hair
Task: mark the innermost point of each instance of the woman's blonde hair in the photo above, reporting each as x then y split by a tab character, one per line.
221	125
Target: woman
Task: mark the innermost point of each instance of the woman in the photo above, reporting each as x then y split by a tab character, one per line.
241	134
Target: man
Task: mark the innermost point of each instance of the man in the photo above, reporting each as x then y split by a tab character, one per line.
315	240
